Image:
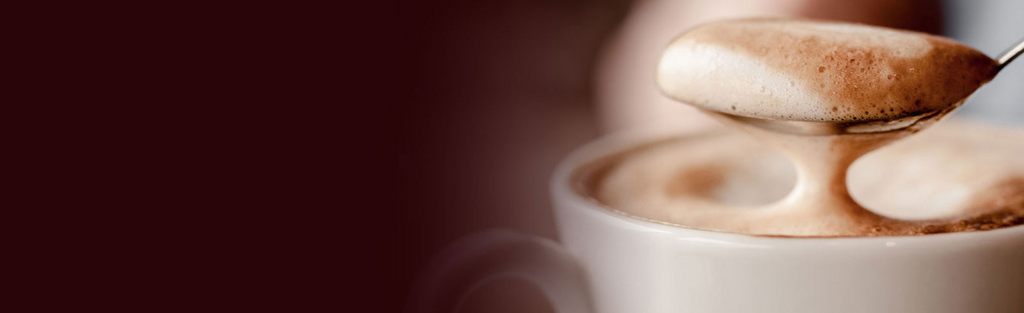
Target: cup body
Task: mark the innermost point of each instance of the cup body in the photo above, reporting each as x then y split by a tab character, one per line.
638	266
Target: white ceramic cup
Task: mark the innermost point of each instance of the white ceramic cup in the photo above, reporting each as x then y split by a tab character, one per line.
611	263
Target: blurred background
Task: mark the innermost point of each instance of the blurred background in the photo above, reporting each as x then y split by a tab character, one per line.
495	93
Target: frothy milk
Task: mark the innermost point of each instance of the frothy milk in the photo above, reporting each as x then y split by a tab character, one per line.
954	177
818	71
808	71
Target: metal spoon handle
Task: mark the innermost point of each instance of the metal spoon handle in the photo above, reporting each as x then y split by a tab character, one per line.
1011	54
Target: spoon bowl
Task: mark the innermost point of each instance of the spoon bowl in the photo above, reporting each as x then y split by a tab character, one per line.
809	128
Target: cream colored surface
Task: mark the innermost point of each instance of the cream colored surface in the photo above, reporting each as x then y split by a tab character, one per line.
940	172
634	265
730	182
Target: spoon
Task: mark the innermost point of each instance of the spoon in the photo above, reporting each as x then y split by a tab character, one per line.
866	127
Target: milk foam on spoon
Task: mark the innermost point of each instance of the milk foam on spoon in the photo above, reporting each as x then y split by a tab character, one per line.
819	71
830	73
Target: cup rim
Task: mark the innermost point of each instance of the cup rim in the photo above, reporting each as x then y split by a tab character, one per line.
566	198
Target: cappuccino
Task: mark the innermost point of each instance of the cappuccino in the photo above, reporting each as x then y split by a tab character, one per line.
953	177
819	72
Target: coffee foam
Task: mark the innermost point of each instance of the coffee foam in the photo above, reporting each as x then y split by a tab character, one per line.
819	71
939	172
692	182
